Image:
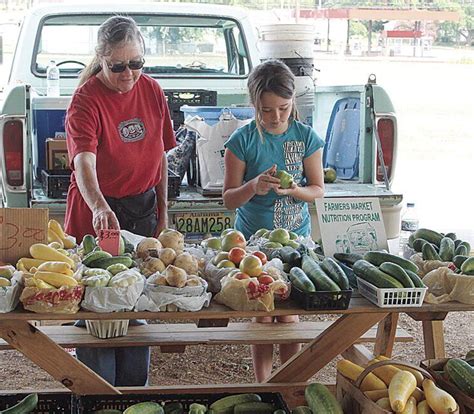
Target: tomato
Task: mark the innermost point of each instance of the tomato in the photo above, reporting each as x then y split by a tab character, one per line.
262	256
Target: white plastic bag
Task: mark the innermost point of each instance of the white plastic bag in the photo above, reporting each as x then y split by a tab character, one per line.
210	146
10	295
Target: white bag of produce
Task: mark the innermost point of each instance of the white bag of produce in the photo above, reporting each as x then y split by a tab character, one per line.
213	275
445	286
155	298
10	295
121	297
426	266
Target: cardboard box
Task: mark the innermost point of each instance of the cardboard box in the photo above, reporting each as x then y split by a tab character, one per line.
56	154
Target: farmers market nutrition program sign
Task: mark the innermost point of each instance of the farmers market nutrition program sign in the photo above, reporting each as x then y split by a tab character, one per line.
351	225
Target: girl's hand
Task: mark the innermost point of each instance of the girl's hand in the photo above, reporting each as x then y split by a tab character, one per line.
104	219
266	181
286	191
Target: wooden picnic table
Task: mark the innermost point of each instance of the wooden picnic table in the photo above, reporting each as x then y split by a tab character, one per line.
339	338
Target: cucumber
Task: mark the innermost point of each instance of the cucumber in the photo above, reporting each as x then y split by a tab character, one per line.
254	408
377	258
452	236
300	280
334	271
196	408
372	274
457	242
462	374
415	279
302	409
320	400
226	405
174	408
398	273
290	255
411	239
145	408
348	258
418	244
321	280
88	244
429	235
94	256
468	246
459	260
108	411
446	249
25	406
109	261
429	252
467	268
461	250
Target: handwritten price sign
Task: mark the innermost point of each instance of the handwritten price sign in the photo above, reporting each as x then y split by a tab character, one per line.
109	241
19	229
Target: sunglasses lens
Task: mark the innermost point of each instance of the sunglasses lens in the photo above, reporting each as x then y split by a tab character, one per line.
136	64
117	67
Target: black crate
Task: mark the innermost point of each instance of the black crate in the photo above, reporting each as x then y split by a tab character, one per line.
55	182
196	97
321	300
90	403
174	181
57	403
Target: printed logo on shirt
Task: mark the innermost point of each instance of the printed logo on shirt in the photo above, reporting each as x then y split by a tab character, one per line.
132	130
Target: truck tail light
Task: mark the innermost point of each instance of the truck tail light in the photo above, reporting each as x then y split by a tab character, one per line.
13	153
386	131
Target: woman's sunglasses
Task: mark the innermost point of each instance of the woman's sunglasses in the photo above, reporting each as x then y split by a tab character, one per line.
120	67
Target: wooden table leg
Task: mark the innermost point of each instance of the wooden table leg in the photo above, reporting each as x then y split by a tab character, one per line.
386	330
433	336
323	349
45	353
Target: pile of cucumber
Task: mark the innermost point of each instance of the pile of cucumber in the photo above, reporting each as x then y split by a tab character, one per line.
315	276
25	406
384	270
438	246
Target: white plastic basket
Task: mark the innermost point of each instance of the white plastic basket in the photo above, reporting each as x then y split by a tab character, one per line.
391	298
104	329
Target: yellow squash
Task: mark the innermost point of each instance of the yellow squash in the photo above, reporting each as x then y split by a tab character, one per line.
439	400
376	394
385	373
44	252
400	389
410	406
56	279
352	371
423	408
53	237
27	263
418	375
56	227
384	403
59	267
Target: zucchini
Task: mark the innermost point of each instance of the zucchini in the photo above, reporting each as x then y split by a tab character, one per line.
411	239
226	405
300	280
467	268
461	250
108	261
462	374
302	409
452	236
468	246
418	244
415	279
377	258
88	244
321	280
429	252
348	258
459	260
290	255
254	408
334	271
457	242
173	408
25	406
446	249
320	400
429	235
398	273
372	274
148	407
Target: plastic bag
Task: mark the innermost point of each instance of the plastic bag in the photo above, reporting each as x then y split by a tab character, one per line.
62	300
10	295
444	286
426	266
180	156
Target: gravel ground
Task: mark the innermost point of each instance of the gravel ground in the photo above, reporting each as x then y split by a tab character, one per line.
232	364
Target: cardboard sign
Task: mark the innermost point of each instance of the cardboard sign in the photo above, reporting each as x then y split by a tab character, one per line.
19	229
109	241
351	225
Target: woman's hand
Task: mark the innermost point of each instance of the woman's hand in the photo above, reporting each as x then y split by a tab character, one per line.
104	219
266	181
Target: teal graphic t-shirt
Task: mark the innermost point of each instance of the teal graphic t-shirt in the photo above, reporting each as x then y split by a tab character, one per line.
287	151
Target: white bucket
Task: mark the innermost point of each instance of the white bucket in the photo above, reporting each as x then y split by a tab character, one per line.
305	98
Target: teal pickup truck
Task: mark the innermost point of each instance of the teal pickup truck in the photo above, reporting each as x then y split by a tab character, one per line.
201	55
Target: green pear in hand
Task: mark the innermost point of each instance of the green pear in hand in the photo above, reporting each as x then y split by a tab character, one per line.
286	179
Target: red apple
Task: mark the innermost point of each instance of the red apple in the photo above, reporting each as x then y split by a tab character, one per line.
241	276
236	254
265	279
251	265
262	256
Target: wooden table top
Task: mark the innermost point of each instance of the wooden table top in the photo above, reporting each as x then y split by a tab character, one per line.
218	311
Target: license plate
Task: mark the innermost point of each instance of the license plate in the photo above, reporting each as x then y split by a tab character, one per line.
197	225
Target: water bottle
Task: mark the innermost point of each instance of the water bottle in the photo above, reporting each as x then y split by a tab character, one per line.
52	79
409	226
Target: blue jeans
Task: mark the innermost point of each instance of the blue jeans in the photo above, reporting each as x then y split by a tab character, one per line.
124	366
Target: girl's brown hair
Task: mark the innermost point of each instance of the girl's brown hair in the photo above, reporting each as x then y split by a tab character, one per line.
113	32
271	76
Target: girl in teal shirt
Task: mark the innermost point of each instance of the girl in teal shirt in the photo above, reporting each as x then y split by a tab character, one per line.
275	140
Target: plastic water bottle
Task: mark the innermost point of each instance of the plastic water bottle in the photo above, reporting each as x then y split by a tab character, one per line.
409	226
52	79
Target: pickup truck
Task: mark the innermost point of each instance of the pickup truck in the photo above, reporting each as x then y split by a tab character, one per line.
201	55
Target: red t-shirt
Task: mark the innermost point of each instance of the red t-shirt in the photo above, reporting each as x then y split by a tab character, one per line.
128	132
